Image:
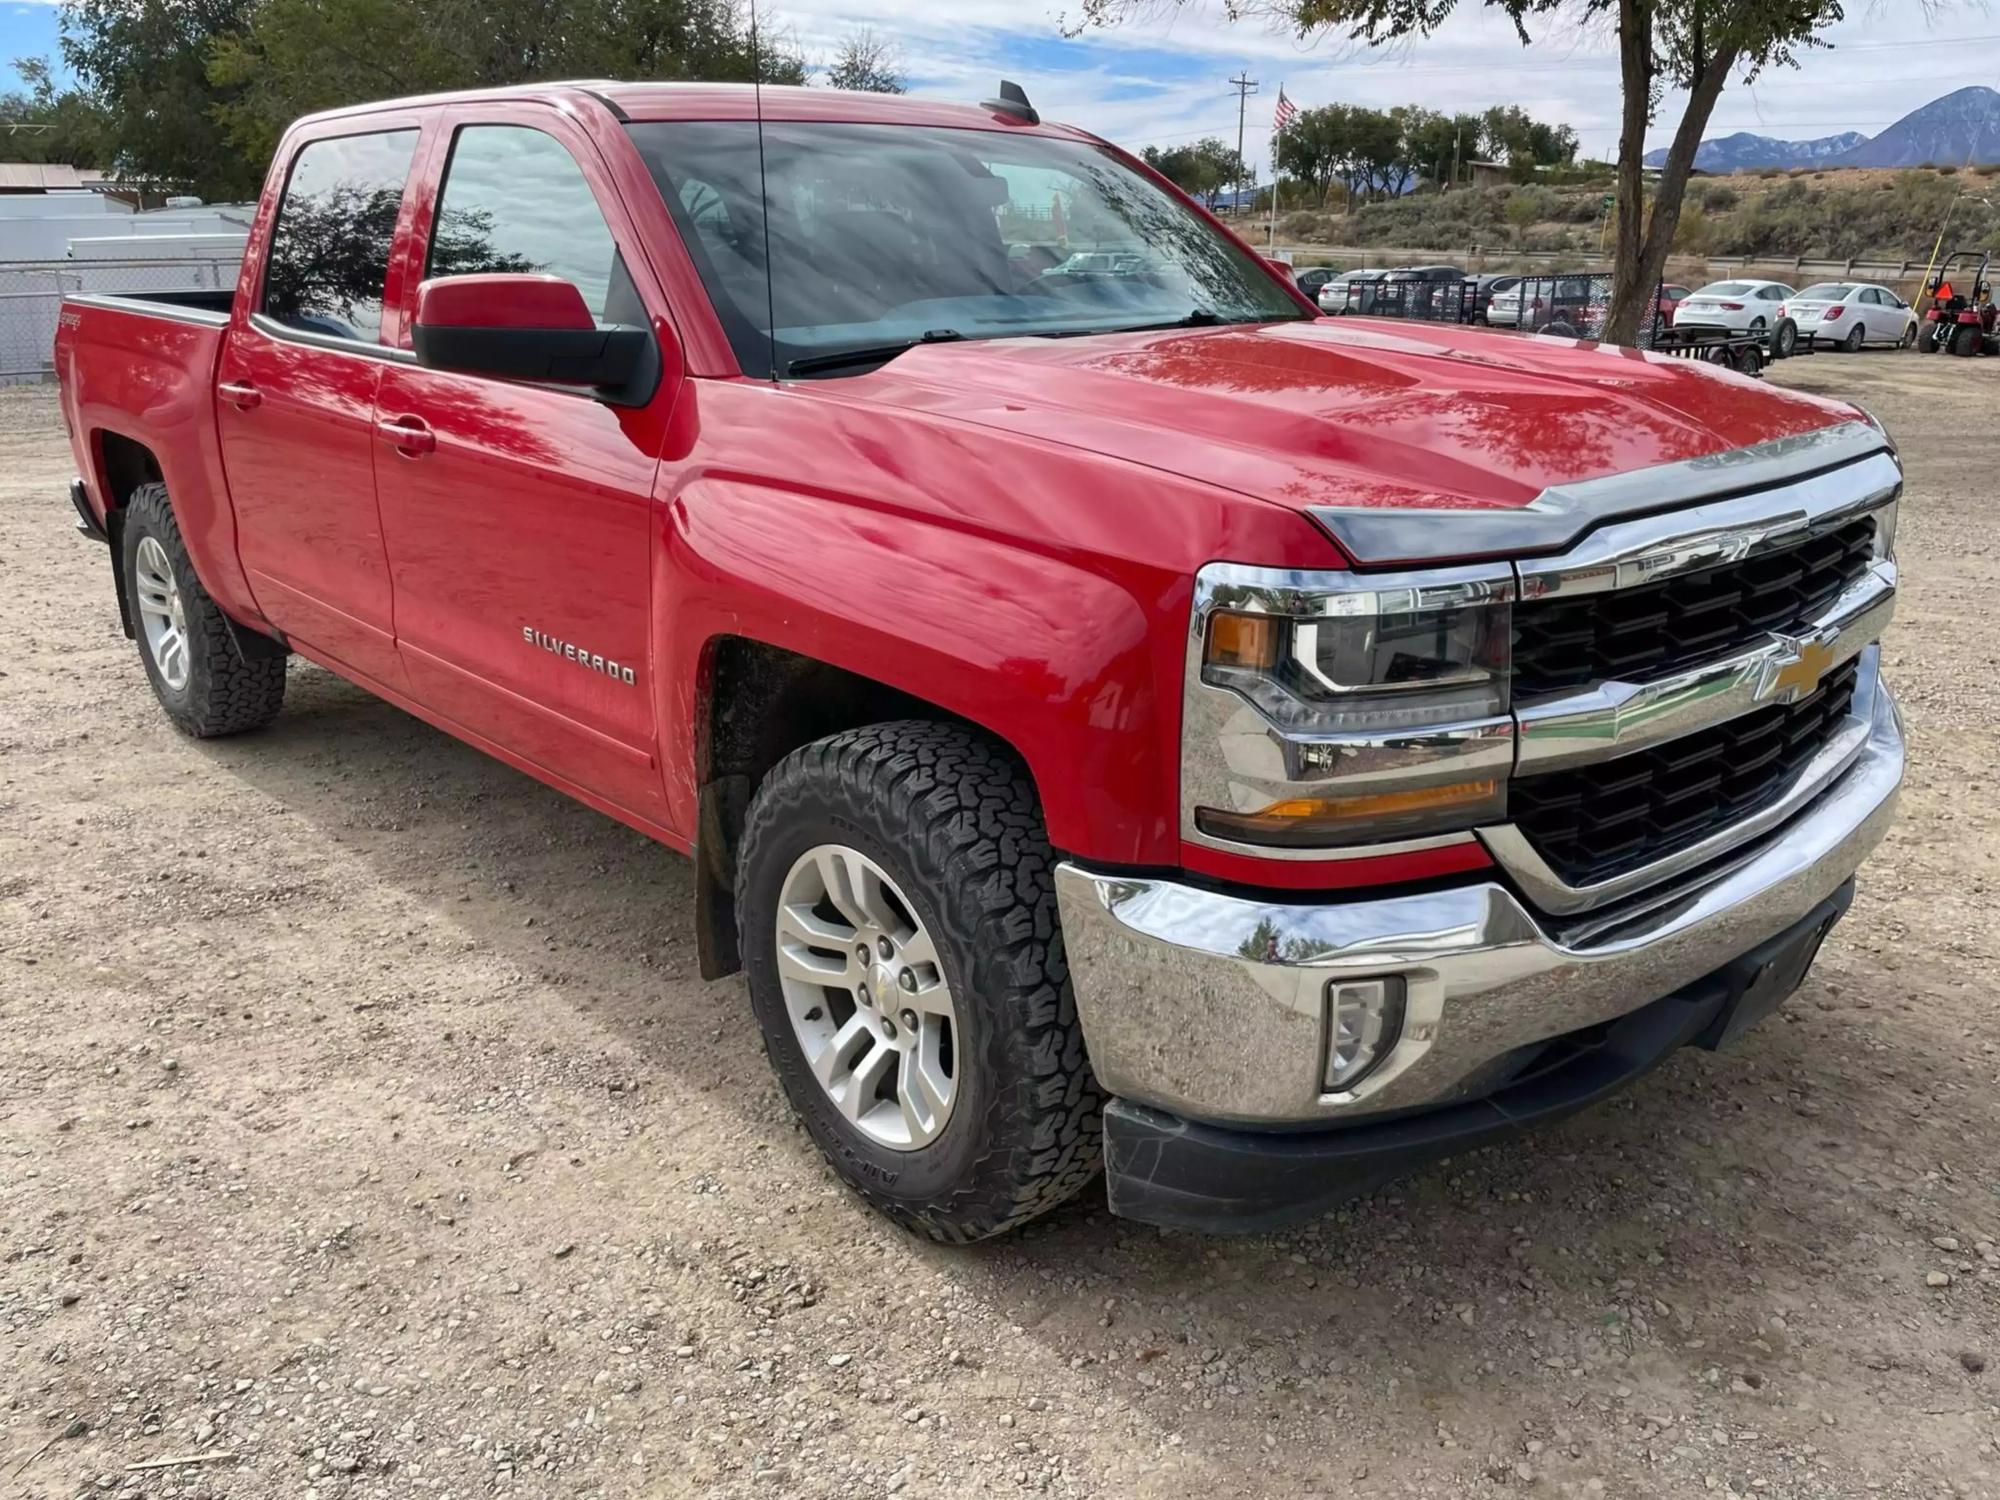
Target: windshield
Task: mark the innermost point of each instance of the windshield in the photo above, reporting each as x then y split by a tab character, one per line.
1826	291
886	235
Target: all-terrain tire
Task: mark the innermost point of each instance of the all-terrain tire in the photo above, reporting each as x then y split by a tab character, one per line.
228	689
1965	341
953	819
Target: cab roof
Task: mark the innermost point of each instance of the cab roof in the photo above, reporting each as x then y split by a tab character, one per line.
727	101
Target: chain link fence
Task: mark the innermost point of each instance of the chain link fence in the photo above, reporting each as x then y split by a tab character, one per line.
31	292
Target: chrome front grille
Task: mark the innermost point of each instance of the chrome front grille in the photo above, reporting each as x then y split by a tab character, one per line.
1598	821
1569	642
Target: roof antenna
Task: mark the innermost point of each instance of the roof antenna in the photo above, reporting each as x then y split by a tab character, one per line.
1013	101
764	189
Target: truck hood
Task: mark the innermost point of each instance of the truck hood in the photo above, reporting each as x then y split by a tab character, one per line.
1352	412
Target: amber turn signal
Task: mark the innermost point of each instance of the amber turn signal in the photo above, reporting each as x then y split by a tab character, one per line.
1243	641
1314	820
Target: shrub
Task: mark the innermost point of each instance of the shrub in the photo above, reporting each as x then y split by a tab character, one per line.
1947	171
1991	169
1692	233
1718	197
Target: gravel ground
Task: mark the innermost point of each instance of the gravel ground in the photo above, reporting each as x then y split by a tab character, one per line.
365	1131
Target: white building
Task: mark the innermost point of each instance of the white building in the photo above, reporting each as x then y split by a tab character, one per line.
60	233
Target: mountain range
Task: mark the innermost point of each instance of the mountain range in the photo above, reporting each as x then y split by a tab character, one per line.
1960	128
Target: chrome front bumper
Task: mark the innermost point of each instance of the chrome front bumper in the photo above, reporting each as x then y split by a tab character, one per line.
1212	1007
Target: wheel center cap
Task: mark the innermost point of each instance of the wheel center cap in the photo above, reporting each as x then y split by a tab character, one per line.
882	984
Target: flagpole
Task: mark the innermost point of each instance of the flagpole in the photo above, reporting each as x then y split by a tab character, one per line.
1271	239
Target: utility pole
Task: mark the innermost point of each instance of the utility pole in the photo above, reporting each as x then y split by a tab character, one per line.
1457	132
1245	86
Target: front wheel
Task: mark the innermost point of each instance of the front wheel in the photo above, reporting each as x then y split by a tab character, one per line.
1909	336
897	917
206	681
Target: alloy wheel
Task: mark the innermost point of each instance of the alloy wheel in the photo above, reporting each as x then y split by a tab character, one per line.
867	997
162	612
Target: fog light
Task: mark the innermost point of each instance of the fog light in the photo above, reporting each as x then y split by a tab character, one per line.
1364	1017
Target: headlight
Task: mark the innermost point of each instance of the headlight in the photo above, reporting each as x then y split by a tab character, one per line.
1385	696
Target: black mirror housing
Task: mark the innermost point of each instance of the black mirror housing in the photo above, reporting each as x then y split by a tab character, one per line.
609	360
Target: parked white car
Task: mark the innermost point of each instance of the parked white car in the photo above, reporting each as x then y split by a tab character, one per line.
1504	308
1733	306
1335	298
1849	314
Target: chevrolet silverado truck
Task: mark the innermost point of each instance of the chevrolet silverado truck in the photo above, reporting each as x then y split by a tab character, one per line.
1123	723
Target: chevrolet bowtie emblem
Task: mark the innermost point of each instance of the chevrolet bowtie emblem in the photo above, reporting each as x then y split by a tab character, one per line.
1794	673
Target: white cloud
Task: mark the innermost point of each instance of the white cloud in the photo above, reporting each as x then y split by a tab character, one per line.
1881	67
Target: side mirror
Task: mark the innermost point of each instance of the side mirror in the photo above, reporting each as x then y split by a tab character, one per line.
525	328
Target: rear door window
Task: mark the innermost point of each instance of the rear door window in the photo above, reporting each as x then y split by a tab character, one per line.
515	200
330	245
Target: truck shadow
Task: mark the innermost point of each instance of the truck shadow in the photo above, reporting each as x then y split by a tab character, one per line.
1612	1227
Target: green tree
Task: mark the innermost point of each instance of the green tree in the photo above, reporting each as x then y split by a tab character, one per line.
143	66
1314	148
297	56
1510	134
1434	142
1377	155
1663	45
868	64
195	93
1203	170
44	123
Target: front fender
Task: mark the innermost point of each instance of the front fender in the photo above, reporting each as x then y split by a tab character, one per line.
1061	660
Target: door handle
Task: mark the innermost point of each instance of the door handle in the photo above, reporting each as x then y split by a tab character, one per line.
240	394
411	436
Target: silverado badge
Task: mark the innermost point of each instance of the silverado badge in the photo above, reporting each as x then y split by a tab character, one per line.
569	651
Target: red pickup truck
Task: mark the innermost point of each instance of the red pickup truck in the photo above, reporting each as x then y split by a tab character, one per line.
1123	722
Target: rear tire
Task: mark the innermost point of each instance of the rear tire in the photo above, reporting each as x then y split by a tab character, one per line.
1965	341
206	681
1856	337
939	828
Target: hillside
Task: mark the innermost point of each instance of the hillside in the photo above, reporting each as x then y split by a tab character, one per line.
1818	214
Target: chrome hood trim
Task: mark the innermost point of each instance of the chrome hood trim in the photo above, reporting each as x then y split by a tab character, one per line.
1561	516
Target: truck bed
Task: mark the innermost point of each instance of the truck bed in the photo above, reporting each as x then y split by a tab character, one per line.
141	370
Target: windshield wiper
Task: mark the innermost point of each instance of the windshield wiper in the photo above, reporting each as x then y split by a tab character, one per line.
871	354
1200	317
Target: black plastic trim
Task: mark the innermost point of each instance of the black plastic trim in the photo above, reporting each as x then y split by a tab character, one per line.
1160	1169
86	519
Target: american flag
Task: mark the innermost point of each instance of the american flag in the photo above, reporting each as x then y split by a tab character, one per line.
1282	115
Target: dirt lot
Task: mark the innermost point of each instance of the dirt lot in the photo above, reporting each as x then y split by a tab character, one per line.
364	1129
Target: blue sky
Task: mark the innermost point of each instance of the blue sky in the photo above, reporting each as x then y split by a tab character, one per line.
1162	80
